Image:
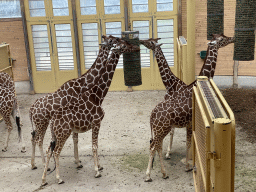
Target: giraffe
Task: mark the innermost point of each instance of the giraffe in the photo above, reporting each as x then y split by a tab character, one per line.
9	107
43	109
176	110
208	68
84	115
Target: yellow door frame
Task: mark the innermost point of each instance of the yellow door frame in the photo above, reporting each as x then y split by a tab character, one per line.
49	81
153	15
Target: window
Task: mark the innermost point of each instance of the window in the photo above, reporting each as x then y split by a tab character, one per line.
10	9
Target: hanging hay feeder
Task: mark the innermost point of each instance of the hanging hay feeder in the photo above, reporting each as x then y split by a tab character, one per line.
244	30
215	20
132	66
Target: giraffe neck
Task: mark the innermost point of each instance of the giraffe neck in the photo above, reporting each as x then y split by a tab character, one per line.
102	57
90	78
170	81
208	69
104	82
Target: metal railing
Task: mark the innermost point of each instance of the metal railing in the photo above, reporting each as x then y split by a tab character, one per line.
213	140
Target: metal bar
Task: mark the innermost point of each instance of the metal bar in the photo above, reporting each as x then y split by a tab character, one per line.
22	7
5	68
76	38
179	17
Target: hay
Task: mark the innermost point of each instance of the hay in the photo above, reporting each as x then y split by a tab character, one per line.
132	66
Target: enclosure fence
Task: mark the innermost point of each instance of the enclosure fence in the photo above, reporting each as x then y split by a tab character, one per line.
213	140
5	61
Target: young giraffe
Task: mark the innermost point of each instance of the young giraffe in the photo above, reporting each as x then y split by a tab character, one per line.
84	115
173	112
43	109
9	107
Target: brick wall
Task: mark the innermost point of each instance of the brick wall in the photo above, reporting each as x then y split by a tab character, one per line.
11	32
225	57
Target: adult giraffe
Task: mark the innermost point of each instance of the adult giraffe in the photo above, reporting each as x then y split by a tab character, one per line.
176	110
84	115
44	108
9	107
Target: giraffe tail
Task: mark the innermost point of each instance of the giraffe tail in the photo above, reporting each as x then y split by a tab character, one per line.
52	147
16	114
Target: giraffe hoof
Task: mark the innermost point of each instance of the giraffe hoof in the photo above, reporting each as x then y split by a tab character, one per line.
49	169
148	180
61	182
34	167
44	184
100	168
4	150
97	175
168	157
23	151
165	177
79	167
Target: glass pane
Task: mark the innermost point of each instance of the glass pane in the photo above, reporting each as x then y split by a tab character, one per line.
143	28
37	8
139	6
60	7
115	29
165	32
64	46
164	5
112	6
90	42
41	47
10	9
88	7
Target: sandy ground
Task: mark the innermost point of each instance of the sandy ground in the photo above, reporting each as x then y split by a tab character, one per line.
123	152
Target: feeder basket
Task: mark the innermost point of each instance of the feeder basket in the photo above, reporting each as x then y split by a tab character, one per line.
215	20
244	30
132	66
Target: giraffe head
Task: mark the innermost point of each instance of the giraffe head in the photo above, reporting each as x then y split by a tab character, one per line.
123	46
151	43
220	40
109	41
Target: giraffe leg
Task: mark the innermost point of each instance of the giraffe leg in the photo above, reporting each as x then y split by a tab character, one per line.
9	129
159	150
23	150
168	154
151	156
75	141
33	166
57	150
49	154
189	136
40	145
97	167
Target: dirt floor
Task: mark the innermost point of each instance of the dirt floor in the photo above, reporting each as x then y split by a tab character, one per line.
123	151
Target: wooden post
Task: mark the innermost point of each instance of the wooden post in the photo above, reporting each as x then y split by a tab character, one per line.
22	7
235	74
191	15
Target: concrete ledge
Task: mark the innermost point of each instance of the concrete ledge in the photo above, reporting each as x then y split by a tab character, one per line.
243	81
22	87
